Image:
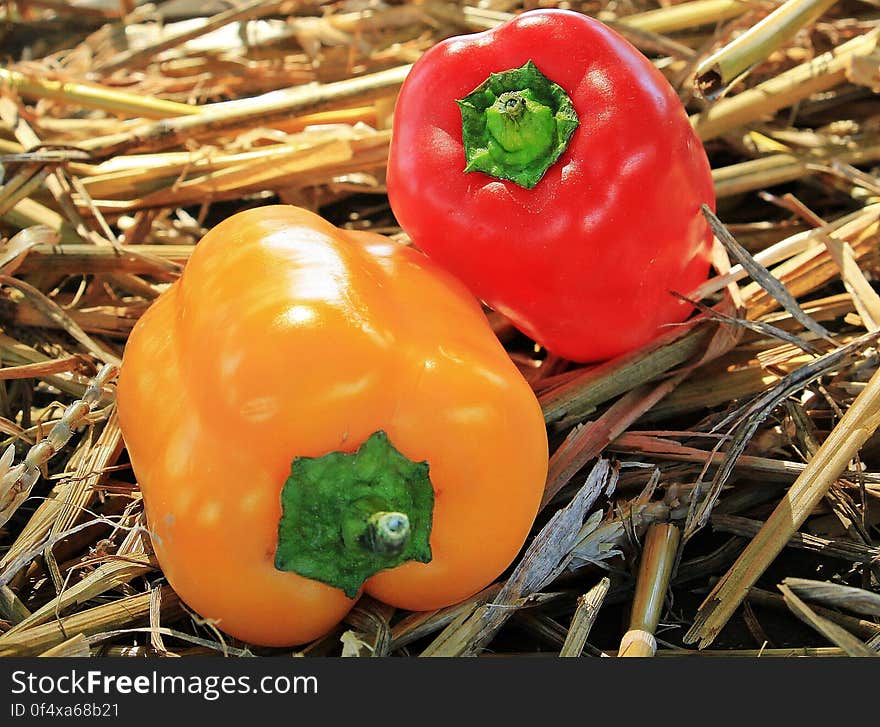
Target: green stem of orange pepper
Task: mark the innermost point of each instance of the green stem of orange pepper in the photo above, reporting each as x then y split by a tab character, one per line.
345	517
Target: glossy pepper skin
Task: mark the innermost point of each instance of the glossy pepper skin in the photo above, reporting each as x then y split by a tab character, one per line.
287	338
584	261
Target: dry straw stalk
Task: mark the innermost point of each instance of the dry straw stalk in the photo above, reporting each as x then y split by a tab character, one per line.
820	74
234	116
728	64
125	140
823	470
655	569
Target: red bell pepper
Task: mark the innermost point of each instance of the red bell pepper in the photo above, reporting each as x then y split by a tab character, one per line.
553	169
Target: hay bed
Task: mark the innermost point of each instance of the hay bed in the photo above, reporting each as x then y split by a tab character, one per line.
697	461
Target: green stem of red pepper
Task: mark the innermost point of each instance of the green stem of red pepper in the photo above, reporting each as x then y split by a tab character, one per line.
516	125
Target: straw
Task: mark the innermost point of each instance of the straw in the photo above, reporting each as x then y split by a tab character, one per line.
655	569
125	136
728	64
829	462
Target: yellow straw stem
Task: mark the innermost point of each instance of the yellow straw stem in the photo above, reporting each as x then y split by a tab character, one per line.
95	97
774	169
686	15
655	568
820	74
730	63
269	108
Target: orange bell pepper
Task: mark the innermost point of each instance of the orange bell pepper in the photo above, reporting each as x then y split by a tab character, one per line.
313	413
